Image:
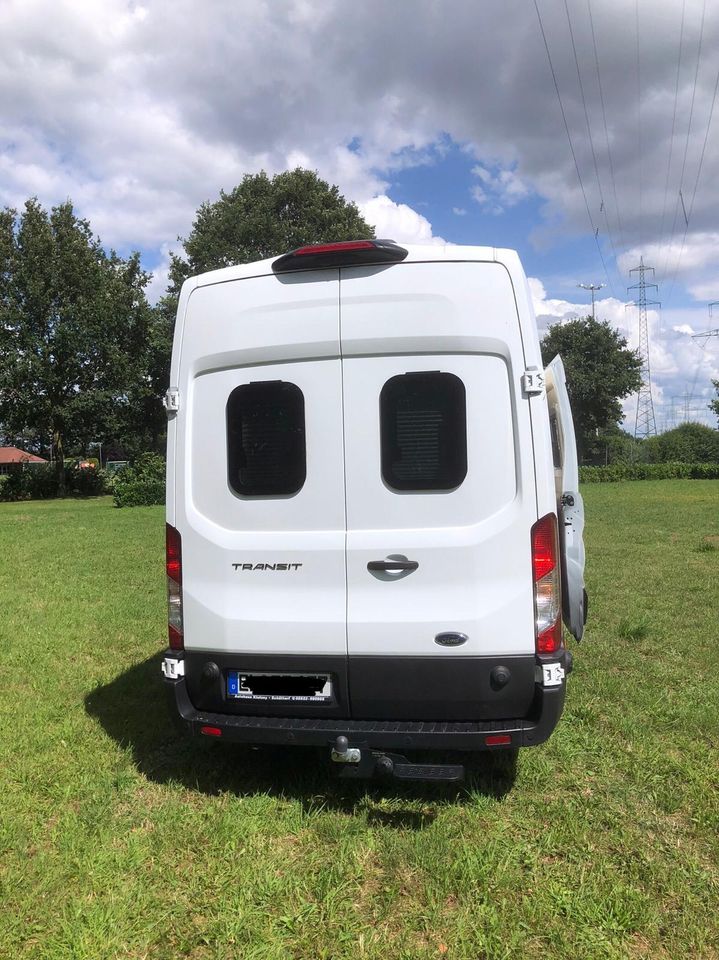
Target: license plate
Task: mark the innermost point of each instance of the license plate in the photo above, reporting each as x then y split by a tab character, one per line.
281	687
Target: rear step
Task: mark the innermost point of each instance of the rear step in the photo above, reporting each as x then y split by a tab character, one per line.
361	763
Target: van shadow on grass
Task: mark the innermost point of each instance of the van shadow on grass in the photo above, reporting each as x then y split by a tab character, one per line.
133	709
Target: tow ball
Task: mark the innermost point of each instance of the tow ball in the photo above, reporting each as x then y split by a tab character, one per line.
360	762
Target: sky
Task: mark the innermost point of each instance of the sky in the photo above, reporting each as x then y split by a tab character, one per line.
581	133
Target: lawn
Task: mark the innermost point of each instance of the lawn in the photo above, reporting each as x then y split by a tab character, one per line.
118	838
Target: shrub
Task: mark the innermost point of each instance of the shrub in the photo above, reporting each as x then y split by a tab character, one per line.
86	481
12	486
142	484
40	482
649	471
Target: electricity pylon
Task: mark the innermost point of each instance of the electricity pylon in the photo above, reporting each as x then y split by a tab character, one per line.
645	423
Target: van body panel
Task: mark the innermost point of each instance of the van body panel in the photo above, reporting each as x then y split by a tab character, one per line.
262	574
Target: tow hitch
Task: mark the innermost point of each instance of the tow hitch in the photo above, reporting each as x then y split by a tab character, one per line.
359	762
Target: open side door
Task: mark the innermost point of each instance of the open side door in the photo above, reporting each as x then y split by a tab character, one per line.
570	506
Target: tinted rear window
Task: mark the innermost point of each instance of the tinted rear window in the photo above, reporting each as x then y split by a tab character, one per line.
423	423
266	439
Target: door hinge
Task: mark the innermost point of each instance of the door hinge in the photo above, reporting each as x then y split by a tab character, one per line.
173	668
171	401
533	381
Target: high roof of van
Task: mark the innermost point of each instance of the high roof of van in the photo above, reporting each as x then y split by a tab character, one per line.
415	253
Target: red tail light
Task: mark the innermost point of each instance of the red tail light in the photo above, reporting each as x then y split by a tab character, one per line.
547	595
314	248
173	565
343	254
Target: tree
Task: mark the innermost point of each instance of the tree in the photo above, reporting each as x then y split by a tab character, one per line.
714	404
601	370
264	217
74	325
687	443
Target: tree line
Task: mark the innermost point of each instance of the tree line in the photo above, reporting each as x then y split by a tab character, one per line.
84	358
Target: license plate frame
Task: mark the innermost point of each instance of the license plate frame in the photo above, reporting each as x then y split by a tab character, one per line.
287	686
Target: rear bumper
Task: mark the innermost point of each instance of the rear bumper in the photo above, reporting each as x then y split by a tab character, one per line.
377	734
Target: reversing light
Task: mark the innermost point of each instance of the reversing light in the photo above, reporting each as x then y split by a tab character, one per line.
345	253
547	591
173	566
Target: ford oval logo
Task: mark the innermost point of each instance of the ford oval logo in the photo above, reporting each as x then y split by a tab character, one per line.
451	639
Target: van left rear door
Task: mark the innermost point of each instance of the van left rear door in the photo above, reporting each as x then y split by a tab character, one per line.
260	474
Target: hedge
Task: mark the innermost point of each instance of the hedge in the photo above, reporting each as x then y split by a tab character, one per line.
40	482
649	471
142	484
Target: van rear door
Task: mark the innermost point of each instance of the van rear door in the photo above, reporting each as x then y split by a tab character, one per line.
260	478
570	506
440	491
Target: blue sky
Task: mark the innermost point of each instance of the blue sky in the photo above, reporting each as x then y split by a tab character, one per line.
441	120
441	188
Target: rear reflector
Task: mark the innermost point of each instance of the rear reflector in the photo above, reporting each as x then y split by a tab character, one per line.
344	254
211	731
547	595
497	739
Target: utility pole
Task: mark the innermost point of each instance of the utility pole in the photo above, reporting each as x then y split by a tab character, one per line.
645	423
593	287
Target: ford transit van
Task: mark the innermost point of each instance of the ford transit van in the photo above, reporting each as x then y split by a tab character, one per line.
374	527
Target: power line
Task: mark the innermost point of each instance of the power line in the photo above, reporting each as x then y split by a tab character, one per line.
674	119
595	231
688	216
686	144
606	128
591	138
639	126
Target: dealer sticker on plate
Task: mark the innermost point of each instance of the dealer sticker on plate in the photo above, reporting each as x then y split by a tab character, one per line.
552	674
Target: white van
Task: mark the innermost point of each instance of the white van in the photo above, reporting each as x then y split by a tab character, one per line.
366	464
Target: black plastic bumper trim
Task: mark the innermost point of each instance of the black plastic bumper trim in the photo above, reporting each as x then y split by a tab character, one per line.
384	734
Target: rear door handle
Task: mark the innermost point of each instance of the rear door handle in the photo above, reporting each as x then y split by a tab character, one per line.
392	566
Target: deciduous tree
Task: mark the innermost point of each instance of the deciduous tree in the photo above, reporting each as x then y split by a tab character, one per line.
74	327
601	370
714	404
264	217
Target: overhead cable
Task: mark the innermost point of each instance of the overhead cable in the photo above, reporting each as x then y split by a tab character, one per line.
603	206
674	119
686	144
595	230
606	128
688	215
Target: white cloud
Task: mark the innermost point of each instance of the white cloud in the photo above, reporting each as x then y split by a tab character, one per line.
397	221
139	112
499	189
459	211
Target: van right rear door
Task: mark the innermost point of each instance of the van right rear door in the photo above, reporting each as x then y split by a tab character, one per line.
440	492
570	506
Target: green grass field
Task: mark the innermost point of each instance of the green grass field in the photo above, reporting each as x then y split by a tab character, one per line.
120	839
